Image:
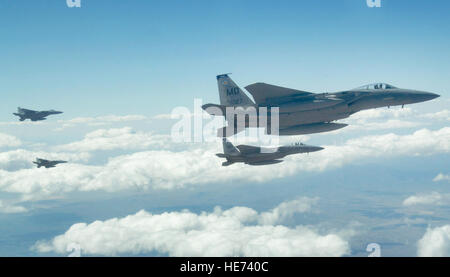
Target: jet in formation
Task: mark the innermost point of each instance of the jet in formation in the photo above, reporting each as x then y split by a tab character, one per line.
34	115
302	112
255	155
46	163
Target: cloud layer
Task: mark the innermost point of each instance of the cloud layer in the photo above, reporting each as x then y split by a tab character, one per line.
433	198
99	121
9	141
117	138
239	231
10	208
169	170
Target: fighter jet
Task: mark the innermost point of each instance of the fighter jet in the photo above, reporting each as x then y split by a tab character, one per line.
255	155
302	112
34	115
47	163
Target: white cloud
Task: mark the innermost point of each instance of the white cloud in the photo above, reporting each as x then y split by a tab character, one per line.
388	124
435	242
169	170
118	138
178	115
433	198
381	119
441	115
394	118
441	177
166	116
11	209
22	123
286	210
232	232
9	141
100	120
382	113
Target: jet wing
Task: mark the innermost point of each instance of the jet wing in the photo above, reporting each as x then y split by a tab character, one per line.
248	149
261	92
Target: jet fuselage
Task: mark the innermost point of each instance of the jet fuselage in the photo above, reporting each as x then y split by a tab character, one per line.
253	155
327	107
301	112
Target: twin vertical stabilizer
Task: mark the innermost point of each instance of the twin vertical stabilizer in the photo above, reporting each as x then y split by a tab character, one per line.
231	94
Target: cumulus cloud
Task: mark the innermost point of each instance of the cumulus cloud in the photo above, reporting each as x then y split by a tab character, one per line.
441	177
22	123
169	170
9	141
232	232
99	120
433	198
286	210
117	138
441	115
435	242
11	209
383	114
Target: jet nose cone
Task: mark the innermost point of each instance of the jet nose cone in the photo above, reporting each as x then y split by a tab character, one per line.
433	95
426	96
315	148
411	97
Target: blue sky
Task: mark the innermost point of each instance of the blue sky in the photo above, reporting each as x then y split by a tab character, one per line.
112	66
148	56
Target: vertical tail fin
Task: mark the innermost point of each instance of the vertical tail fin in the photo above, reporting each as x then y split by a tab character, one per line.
229	148
230	93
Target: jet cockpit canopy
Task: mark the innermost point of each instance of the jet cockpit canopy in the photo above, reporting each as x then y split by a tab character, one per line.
376	86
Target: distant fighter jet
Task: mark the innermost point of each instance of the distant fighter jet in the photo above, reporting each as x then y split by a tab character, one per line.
254	155
302	112
34	115
47	163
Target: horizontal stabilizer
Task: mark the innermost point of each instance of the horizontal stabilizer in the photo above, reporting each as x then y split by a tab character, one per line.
214	109
261	92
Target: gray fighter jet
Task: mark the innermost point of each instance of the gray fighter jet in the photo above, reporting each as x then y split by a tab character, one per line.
302	112
34	115
255	155
47	163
